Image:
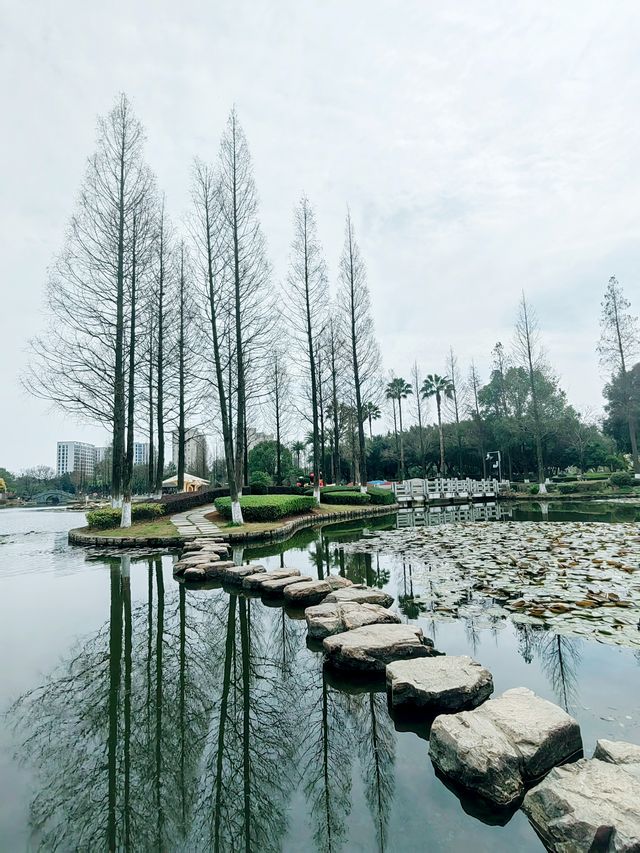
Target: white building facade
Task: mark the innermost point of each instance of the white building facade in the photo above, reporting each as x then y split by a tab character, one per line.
76	457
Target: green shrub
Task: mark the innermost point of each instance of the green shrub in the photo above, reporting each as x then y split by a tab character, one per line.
102	519
266	507
581	487
620	479
382	497
142	512
345	498
260	482
533	490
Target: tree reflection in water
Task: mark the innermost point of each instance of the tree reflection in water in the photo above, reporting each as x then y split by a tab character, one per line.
559	657
187	722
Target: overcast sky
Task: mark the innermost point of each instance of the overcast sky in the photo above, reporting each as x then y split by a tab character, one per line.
484	148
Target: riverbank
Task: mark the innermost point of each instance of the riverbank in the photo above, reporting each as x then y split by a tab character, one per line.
162	533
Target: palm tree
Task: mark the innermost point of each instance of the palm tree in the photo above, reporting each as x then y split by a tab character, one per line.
298	447
399	389
438	387
371	413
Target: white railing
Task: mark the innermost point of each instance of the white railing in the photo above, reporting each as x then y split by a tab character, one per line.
422	491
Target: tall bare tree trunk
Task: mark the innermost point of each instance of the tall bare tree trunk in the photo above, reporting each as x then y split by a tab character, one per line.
125	520
181	356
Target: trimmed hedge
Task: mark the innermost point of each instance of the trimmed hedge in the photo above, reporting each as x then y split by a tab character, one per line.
266	507
182	501
582	486
381	496
345	498
103	519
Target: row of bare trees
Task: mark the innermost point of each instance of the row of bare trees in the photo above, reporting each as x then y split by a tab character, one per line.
148	326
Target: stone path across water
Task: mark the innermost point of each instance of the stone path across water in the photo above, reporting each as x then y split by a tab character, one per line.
497	750
193	522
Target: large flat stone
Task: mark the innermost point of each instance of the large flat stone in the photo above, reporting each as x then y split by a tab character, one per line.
194	573
278	585
236	574
445	683
476	754
214	570
329	618
476	748
304	594
371	647
627	755
256	581
197	559
361	595
589	805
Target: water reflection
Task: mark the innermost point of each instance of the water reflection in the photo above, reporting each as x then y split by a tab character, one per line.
188	721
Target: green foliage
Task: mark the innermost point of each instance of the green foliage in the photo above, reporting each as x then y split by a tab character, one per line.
267	507
101	519
3	485
581	487
346	497
260	482
381	497
621	479
622	394
263	459
534	490
9	479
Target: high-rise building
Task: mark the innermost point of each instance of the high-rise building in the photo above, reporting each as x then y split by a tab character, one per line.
195	451
141	453
254	437
102	453
76	457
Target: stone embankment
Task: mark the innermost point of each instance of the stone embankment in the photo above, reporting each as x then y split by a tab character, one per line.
510	751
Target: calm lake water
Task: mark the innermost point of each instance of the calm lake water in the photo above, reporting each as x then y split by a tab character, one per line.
144	715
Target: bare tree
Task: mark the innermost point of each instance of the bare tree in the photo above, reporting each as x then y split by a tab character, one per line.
619	344
277	405
334	345
140	254
79	363
415	378
529	354
474	385
187	380
364	361
247	271
306	306
457	400
206	236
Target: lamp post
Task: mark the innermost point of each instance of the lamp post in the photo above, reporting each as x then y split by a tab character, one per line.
497	456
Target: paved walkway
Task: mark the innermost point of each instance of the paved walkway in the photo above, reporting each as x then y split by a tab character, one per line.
193	522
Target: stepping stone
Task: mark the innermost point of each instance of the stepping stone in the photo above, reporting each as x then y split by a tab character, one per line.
257	580
214	570
371	647
329	618
304	593
194	573
627	755
276	586
197	559
496	749
236	574
360	594
588	805
444	683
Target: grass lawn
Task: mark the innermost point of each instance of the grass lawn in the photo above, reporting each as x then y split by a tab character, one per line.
263	526
161	526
